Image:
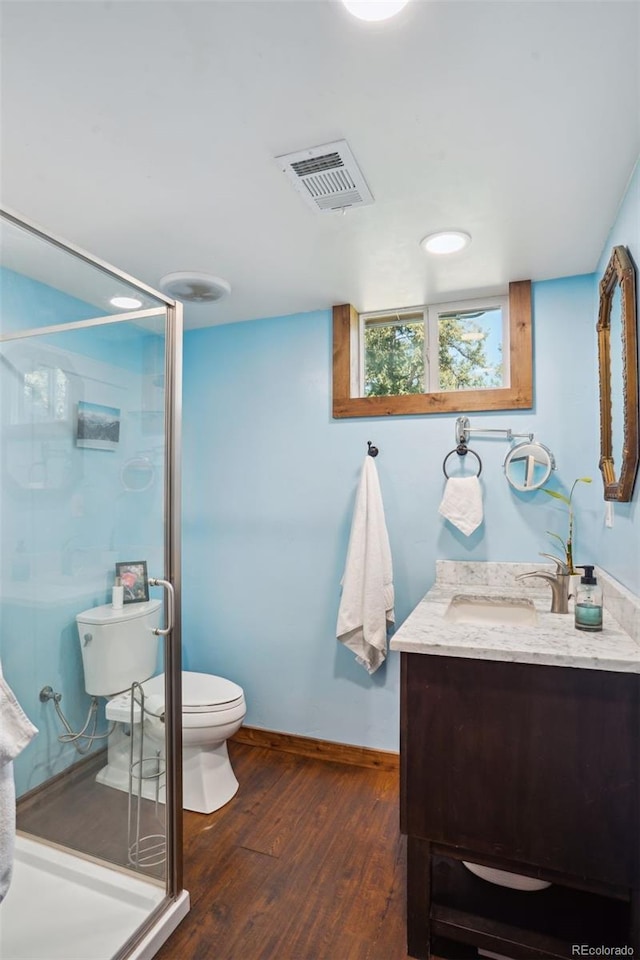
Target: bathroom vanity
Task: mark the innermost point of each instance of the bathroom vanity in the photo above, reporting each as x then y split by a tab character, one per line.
520	750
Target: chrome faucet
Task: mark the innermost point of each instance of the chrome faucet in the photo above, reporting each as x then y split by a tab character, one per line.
558	581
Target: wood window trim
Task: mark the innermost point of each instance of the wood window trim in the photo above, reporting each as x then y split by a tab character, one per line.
518	396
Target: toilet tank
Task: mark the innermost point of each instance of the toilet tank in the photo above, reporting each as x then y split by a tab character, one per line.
118	646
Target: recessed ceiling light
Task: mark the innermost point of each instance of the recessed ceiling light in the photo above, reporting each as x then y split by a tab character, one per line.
126	303
447	241
374	9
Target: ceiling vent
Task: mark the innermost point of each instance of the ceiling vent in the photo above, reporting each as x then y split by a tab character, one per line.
327	177
194	287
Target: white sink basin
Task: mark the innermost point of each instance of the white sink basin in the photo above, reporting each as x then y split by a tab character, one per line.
469	608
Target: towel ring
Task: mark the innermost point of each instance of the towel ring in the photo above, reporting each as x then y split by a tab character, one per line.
462	450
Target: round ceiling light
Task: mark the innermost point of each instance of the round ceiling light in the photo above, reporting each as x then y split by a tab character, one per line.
126	303
374	9
195	287
447	241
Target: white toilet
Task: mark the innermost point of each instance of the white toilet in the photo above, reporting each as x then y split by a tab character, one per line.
119	647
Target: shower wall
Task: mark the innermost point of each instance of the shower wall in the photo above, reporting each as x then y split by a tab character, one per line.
67	513
27	304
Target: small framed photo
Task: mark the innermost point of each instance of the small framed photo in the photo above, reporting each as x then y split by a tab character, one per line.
98	427
133	577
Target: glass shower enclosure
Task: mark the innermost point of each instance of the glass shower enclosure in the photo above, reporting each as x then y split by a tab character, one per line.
90	387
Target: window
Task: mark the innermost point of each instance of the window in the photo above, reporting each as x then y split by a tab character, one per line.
460	356
45	395
37	387
450	346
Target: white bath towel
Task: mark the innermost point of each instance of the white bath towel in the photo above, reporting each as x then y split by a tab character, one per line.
366	606
462	503
16	731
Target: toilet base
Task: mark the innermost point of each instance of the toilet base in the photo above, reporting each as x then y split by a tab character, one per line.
208	780
116	772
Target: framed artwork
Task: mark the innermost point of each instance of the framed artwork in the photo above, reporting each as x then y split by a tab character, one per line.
98	426
133	577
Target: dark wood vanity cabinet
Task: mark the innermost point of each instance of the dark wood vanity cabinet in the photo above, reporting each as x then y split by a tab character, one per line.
528	768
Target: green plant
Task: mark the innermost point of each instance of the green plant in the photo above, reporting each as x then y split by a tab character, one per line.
567	545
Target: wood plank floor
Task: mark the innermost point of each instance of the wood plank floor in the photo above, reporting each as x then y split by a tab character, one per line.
305	863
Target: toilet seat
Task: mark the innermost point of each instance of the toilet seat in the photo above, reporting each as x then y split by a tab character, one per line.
203	695
201	692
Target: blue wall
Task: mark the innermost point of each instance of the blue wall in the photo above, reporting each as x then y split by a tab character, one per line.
620	545
28	304
270	479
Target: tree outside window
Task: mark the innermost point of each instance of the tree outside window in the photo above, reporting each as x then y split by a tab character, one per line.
445	348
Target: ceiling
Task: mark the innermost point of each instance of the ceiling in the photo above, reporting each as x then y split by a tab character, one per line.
146	133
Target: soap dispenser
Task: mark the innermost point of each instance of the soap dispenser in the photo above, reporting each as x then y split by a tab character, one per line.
588	608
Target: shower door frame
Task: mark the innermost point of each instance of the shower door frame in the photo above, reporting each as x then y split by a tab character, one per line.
172	310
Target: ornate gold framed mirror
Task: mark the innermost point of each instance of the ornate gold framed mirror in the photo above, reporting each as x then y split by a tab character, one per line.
618	370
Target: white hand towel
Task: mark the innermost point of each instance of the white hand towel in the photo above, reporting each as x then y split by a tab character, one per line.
462	503
366	606
16	731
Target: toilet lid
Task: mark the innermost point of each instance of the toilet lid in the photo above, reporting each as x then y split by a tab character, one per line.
201	692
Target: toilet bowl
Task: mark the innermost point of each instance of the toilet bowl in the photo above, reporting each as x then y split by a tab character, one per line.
213	709
119	647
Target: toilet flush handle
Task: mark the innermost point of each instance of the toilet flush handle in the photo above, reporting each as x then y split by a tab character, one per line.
171	601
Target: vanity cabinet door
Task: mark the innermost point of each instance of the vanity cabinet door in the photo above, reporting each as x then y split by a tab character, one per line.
532	763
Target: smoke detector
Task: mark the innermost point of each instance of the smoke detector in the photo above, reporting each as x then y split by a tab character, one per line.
194	287
327	177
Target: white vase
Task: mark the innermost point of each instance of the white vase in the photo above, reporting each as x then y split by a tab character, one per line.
515	881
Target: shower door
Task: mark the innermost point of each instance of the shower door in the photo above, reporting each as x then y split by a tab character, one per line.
89	482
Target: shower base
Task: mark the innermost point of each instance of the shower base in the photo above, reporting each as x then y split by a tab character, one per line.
63	907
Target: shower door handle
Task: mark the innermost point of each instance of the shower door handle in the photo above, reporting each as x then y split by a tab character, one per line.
171	603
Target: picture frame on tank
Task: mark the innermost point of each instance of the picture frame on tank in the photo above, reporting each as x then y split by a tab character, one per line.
134	580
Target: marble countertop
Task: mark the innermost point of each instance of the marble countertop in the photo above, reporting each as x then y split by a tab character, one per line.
554	640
